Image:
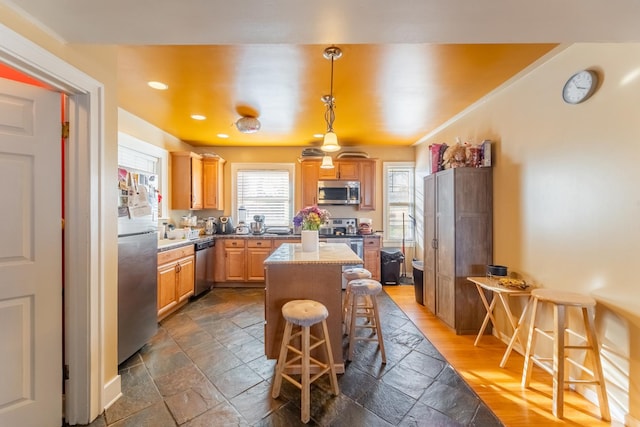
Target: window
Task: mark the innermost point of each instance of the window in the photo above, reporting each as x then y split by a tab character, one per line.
137	154
264	189
398	212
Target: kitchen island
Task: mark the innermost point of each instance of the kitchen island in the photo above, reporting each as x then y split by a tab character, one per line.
292	274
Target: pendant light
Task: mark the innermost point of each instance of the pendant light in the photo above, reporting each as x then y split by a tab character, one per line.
327	162
330	142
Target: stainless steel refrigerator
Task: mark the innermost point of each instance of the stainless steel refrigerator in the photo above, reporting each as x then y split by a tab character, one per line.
137	260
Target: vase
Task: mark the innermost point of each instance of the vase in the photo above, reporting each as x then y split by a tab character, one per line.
309	240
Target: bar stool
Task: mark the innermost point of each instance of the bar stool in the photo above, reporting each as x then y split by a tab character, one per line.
351	274
304	313
561	301
364	304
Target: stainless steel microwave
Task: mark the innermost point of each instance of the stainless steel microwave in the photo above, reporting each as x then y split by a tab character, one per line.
338	192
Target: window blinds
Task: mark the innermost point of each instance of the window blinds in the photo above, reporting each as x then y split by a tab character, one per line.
265	192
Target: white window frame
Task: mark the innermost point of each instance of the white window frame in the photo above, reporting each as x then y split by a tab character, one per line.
162	171
235	167
387	241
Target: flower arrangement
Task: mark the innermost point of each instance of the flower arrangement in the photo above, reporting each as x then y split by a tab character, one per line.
310	218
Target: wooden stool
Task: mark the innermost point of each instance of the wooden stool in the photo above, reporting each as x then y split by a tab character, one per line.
560	301
351	274
304	313
364	304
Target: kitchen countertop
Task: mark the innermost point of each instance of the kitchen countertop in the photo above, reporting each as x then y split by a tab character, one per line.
167	244
328	253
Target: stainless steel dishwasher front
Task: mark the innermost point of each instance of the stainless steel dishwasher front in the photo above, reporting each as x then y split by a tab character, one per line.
204	266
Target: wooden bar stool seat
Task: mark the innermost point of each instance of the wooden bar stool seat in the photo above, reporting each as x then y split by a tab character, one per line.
350	274
304	314
363	304
560	335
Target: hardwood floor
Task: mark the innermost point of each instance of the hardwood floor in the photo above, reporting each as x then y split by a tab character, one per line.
499	388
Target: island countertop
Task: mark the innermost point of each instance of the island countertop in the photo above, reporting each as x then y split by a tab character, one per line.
328	253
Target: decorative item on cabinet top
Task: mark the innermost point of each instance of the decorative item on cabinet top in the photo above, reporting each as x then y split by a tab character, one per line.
443	156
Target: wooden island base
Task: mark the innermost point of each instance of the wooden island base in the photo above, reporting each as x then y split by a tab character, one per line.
292	274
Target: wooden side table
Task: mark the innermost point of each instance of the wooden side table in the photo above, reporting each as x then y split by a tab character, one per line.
503	294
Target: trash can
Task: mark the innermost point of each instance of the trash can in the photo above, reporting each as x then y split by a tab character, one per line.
418	280
390	260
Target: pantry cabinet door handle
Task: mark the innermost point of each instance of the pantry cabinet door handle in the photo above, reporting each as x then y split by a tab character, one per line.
434	243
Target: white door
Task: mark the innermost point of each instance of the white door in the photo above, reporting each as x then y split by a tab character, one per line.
30	257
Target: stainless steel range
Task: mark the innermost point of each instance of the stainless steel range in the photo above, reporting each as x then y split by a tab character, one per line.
343	230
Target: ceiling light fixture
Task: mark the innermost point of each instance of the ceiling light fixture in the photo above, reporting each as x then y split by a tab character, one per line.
158	85
247	124
198	117
330	142
327	162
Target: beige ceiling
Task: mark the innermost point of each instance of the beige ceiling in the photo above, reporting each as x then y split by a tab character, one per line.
408	65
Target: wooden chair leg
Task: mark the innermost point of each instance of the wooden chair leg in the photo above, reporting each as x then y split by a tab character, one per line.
306	386
558	359
282	360
601	388
376	314
329	352
531	342
352	324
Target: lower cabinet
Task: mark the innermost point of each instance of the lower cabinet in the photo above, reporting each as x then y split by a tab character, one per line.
257	252
241	260
175	279
372	245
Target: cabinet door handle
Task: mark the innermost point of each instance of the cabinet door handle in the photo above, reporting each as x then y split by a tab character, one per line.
259	243
434	243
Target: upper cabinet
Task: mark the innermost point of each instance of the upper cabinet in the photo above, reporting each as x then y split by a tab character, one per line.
363	170
212	183
345	170
196	182
186	180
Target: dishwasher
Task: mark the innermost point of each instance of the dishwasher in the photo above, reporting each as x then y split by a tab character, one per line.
204	267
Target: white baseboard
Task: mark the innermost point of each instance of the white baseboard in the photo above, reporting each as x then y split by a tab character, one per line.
112	392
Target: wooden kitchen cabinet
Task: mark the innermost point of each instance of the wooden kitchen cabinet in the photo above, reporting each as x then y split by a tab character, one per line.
342	169
309	182
234	260
186	180
458	243
243	260
257	252
371	254
175	279
368	184
363	170
213	183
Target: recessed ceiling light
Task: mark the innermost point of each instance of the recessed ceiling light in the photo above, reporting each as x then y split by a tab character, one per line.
158	85
318	135
198	117
223	135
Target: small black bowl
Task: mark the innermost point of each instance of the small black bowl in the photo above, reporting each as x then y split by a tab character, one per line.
496	270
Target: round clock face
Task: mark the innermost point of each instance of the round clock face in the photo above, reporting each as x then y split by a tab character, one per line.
580	86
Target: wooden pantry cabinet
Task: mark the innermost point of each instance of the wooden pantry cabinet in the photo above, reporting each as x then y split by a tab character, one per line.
175	279
458	244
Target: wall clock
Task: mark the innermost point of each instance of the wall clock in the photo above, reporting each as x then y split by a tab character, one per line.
580	87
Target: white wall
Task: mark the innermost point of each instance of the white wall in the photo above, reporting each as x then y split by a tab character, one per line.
566	198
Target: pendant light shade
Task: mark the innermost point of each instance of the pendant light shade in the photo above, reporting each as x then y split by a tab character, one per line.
330	142
327	163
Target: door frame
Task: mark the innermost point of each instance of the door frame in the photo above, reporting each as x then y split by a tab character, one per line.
86	392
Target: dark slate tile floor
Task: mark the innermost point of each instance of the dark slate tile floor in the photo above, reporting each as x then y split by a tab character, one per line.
206	367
